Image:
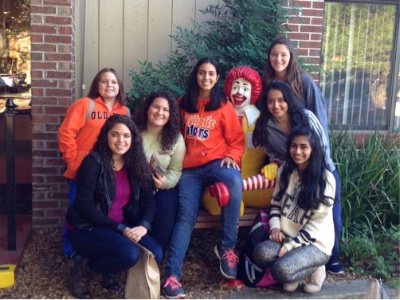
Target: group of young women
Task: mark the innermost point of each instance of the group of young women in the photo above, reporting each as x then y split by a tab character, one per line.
142	181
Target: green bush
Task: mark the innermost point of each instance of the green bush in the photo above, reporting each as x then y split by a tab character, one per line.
370	178
238	34
377	254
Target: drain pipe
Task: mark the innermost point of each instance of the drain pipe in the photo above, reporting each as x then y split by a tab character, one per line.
83	87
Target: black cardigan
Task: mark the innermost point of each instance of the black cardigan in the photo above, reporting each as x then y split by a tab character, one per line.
94	198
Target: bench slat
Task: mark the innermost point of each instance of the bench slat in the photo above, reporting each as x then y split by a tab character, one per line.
205	220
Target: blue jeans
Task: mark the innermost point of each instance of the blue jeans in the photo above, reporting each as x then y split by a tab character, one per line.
337	217
108	250
191	186
67	248
164	218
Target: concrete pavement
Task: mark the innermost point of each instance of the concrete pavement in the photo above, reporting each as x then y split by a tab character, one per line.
343	289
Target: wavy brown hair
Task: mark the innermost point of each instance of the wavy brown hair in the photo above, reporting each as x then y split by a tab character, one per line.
135	158
94	87
171	129
293	72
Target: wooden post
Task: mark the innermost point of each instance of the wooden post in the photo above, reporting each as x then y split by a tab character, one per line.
11	182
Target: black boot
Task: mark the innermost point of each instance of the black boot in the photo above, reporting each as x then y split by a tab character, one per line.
110	283
80	276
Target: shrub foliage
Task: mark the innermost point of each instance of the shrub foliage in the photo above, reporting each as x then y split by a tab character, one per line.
370	178
238	32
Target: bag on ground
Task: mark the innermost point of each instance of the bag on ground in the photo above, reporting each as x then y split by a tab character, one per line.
376	290
143	279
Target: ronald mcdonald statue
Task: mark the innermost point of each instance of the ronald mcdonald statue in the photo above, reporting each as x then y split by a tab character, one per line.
243	87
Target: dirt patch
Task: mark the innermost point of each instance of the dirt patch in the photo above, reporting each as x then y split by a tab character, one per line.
43	270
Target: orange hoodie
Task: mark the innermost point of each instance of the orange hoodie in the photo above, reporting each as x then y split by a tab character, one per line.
211	135
76	135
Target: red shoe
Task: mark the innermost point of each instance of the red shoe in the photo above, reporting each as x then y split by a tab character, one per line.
220	191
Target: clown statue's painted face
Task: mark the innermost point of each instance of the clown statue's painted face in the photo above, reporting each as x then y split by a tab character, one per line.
243	87
240	94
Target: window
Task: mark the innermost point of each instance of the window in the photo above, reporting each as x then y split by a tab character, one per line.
15	48
360	64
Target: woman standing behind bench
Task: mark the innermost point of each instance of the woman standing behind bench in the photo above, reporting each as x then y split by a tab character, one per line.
158	121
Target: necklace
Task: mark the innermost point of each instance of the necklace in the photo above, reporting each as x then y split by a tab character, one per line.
118	164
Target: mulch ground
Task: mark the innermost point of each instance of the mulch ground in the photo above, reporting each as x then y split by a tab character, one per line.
43	272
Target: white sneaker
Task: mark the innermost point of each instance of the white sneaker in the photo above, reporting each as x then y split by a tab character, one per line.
290	287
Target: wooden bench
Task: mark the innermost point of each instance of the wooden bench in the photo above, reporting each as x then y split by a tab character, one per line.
205	220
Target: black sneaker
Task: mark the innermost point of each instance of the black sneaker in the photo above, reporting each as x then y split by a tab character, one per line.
172	288
228	261
110	283
75	256
79	277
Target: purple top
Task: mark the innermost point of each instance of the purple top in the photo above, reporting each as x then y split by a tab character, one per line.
122	195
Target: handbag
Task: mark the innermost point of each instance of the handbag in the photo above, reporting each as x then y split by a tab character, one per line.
143	279
248	271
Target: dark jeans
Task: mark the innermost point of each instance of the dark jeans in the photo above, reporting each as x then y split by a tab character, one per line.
108	250
67	248
164	218
337	216
191	185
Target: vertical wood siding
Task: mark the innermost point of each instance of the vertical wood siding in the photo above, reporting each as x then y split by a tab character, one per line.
120	33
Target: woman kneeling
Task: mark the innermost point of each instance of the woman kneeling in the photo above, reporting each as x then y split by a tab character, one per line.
113	209
302	231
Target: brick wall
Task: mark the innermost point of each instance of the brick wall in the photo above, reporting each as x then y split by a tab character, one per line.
306	30
53	90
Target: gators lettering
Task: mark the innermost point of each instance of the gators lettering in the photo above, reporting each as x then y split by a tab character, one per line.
201	133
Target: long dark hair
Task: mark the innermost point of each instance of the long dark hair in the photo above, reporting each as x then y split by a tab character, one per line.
189	100
94	87
135	158
295	111
293	72
313	178
171	130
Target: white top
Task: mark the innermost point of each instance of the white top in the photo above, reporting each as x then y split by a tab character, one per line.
304	227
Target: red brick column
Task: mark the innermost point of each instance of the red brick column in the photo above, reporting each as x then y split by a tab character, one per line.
306	25
53	90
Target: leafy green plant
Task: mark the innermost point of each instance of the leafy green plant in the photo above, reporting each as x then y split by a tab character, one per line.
376	254
238	33
370	178
169	75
